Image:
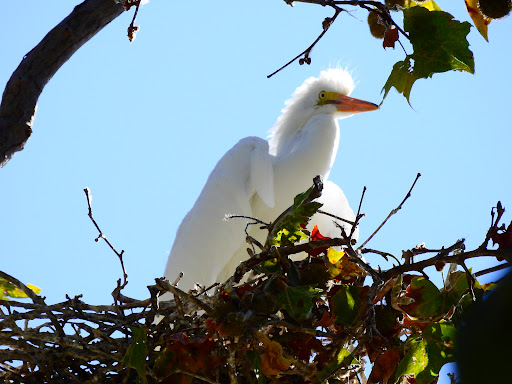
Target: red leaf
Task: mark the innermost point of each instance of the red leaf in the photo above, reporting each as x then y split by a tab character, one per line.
383	292
316	235
304	346
189	356
390	37
409	322
503	239
384	366
326	321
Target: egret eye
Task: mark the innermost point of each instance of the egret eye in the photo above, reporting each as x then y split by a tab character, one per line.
321	95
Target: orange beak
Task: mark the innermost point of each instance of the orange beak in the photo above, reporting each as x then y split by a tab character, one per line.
350	104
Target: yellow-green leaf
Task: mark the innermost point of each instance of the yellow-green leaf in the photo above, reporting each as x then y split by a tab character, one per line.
481	22
7	289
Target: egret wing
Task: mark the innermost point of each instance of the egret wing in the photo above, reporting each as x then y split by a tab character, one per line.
262	173
205	241
334	202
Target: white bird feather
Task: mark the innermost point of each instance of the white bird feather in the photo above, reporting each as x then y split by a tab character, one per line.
259	179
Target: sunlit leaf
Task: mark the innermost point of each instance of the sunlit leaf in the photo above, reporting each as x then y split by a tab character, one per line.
341	267
345	303
9	290
343	359
427	353
315	236
430	5
427	301
272	360
481	22
439	44
334	256
289	229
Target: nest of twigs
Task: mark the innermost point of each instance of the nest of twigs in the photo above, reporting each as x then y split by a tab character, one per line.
299	322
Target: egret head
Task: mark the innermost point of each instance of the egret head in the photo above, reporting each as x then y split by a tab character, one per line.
329	93
326	94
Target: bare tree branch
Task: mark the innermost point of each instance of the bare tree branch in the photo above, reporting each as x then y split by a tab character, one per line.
458	258
102	236
19	100
394	211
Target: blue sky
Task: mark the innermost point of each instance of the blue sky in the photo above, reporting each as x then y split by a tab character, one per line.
142	124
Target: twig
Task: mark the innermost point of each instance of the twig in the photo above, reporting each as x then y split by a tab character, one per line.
458	246
195	376
493	229
381	253
358	215
162	283
232	364
326	25
394	211
336	217
270	254
102	236
315	193
379	8
132	29
493	269
457	258
313	332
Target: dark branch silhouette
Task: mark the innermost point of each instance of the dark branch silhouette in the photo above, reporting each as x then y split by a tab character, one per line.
19	100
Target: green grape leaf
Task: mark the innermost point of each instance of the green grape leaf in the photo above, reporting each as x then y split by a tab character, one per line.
345	304
289	229
136	354
426	354
297	301
439	43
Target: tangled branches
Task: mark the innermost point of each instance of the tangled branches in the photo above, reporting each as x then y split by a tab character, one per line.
291	322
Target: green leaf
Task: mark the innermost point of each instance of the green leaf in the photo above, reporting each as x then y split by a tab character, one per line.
254	359
136	354
297	301
426	354
402	78
427	300
288	230
343	359
346	303
439	43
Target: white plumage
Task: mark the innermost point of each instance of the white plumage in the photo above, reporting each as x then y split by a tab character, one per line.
259	179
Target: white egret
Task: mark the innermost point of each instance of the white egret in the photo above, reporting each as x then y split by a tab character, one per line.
259	179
